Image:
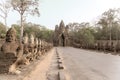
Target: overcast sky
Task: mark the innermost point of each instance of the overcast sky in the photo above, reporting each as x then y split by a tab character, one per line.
53	11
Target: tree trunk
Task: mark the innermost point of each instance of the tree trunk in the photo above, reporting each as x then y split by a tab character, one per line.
21	33
6	22
110	38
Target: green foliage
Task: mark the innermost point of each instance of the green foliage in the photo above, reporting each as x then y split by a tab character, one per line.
17	28
108	25
25	7
82	33
105	28
35	29
2	30
46	34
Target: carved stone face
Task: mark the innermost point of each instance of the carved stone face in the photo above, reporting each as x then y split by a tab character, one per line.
31	39
25	39
36	41
10	37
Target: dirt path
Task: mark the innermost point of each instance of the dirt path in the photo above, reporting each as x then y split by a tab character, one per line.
90	65
53	70
40	72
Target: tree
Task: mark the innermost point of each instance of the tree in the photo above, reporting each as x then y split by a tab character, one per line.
37	30
109	16
82	33
25	7
4	9
109	23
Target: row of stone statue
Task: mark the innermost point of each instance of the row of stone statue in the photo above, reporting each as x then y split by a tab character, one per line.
13	53
102	45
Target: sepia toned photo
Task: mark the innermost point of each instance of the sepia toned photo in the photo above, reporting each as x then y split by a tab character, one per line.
59	39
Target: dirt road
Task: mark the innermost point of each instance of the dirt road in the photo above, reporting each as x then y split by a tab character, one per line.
41	70
90	65
79	65
35	71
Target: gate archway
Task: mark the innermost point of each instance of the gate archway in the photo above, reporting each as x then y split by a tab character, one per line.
62	40
60	35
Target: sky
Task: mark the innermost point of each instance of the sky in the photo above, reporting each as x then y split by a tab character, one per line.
53	11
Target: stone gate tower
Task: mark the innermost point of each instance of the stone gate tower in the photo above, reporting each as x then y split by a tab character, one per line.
61	35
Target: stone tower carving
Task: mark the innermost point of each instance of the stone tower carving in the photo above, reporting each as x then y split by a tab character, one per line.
60	35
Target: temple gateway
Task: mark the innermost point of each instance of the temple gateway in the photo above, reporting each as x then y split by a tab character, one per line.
60	37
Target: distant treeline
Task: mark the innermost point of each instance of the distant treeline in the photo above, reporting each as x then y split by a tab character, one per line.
106	27
29	28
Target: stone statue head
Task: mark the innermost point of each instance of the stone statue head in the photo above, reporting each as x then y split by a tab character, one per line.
56	28
11	35
31	39
67	29
40	42
62	26
25	39
36	41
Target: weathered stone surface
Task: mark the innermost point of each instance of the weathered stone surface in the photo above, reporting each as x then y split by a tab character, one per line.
38	54
11	52
59	61
26	53
61	35
31	47
58	57
61	75
60	66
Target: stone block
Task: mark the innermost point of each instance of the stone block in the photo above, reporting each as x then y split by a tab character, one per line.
61	75
59	61
60	66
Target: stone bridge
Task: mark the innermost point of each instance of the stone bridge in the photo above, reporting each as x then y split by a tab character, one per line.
41	61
